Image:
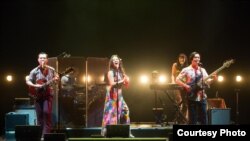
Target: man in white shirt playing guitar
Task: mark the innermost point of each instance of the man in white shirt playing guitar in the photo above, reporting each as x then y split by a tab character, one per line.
193	79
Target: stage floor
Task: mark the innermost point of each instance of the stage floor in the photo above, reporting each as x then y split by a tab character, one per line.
140	131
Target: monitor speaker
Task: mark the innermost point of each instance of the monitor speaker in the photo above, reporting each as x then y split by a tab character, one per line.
28	133
120	130
12	119
30	110
54	137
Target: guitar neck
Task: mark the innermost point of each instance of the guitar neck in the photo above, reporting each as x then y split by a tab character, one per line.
225	65
215	72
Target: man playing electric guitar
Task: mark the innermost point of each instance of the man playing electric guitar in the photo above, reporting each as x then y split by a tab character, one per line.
193	79
39	82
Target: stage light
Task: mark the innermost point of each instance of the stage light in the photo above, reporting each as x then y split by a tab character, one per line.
162	79
144	79
88	79
9	78
238	78
26	77
220	78
102	78
128	78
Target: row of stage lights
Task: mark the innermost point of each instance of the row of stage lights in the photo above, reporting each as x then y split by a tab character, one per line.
10	78
143	79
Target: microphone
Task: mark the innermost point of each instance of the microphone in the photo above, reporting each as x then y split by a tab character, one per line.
43	64
66	55
62	54
68	70
199	64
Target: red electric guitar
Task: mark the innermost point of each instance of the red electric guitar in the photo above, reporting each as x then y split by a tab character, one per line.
44	91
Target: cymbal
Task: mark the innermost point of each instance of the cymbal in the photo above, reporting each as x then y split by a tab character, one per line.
78	86
101	83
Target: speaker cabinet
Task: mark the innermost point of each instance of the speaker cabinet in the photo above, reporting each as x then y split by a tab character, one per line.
30	110
120	130
219	116
28	133
54	137
12	119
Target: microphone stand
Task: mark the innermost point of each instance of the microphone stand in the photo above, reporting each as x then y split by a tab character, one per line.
59	102
237	106
59	99
117	100
59	92
67	70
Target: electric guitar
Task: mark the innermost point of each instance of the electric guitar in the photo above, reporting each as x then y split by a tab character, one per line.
195	87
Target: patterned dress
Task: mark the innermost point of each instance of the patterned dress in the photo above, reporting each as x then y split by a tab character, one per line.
110	115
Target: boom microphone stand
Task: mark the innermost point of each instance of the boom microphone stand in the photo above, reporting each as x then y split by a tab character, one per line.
68	70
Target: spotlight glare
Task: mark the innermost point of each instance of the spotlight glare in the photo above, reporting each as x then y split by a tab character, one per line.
128	78
144	79
102	78
26	77
9	78
162	79
88	79
238	78
220	78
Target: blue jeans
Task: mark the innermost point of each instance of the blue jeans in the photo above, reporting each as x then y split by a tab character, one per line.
197	112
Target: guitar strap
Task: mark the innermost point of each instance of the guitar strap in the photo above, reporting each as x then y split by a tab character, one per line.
196	76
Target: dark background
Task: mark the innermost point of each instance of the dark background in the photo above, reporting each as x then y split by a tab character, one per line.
147	34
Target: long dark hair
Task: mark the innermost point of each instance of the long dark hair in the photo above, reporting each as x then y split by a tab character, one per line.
181	66
111	66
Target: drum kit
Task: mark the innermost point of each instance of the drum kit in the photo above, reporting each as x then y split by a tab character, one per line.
73	99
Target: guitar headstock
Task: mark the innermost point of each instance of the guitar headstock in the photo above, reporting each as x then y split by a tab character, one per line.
228	63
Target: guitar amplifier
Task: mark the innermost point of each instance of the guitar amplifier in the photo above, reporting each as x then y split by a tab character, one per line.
12	119
219	116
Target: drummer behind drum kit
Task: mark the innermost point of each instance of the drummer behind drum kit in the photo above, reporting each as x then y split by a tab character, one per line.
74	99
